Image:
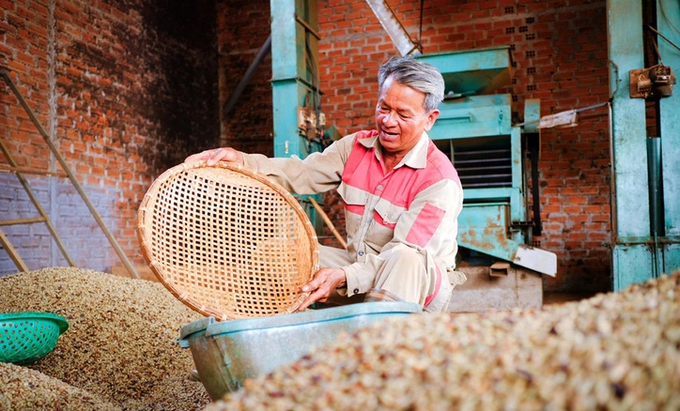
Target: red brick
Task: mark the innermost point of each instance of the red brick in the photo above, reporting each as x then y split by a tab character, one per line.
568	74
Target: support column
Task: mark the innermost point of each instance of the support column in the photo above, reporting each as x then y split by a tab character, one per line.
668	20
295	79
632	258
295	55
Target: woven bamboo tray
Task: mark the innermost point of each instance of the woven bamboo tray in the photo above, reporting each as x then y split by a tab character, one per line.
227	241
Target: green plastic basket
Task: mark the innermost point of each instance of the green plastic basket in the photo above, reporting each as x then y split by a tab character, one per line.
26	337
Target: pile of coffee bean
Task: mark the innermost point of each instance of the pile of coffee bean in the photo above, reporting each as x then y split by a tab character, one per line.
121	345
615	351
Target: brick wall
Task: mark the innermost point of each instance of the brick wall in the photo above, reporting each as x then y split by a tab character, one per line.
125	89
134	89
560	56
243	28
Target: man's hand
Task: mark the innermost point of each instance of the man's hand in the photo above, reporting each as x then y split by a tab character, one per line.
325	281
212	157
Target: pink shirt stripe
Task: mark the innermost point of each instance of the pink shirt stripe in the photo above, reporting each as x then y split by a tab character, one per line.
425	225
437	286
356	209
364	172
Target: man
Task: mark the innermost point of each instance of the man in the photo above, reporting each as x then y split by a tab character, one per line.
402	196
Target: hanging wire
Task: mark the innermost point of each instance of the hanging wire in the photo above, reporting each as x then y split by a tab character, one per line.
670	22
664	37
420	33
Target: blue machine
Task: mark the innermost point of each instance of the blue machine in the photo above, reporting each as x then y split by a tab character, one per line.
474	128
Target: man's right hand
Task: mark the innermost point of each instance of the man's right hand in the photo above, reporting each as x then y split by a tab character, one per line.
212	157
324	282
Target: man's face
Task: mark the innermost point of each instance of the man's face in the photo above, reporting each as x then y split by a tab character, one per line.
400	117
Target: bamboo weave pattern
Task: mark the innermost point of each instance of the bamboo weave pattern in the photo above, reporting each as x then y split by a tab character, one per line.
226	241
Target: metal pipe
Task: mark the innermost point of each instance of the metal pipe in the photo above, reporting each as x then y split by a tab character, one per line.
393	27
307	27
647	240
655	198
248	76
535	187
612	173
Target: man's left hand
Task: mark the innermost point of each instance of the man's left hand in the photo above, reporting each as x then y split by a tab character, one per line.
325	281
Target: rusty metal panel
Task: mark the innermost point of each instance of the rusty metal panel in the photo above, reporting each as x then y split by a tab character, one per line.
484	228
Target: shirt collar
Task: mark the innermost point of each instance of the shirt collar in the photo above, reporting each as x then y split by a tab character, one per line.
416	158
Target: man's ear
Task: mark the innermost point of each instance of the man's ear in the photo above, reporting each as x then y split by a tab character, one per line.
431	118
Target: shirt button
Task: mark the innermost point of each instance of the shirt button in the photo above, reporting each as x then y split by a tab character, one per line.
355	291
361	253
380	187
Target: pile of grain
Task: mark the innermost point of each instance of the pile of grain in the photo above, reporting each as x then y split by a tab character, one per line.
27	389
121	343
614	351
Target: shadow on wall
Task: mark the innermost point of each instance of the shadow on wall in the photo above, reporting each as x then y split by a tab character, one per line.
182	95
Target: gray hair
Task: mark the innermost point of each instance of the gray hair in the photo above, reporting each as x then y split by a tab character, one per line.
416	74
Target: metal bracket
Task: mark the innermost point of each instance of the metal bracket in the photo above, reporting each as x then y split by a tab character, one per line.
311	124
499	269
519	225
653	82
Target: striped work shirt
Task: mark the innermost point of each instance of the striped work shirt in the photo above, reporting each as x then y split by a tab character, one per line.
416	204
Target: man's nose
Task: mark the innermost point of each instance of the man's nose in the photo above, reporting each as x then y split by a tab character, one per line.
389	119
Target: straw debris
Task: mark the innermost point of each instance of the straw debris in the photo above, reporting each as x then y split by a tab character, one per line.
615	351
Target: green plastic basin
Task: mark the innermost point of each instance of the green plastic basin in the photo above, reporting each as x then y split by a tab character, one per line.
26	337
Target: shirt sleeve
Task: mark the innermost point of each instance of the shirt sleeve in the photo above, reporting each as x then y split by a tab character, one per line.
429	225
317	173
